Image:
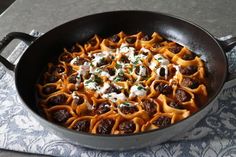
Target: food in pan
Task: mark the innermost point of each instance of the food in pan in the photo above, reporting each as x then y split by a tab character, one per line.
123	84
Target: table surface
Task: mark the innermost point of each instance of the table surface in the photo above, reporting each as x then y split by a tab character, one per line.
216	16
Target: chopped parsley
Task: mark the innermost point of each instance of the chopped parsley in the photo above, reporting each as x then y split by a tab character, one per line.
126	103
91	64
118	66
97	79
141	88
137	59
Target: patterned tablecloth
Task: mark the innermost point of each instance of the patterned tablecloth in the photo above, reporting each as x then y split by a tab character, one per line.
215	135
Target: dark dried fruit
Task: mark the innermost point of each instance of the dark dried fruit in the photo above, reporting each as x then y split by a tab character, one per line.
146	38
57	100
69	70
176	105
61	116
49	89
182	95
111	46
189	56
78	100
82	125
162	121
130	40
105	126
75	49
127	127
189	70
66	58
103	108
92	41
156	45
112	89
162	72
115	38
57	68
103	61
60	69
188	82
128	109
124	59
150	107
111	71
164	88
72	78
79	61
51	79
137	70
176	49
121	77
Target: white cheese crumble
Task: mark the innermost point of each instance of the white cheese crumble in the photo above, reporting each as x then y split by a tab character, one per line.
104	88
161	59
75	96
152	65
137	90
74	60
98	57
115	97
125	48
84	69
142	71
104	73
91	83
145	50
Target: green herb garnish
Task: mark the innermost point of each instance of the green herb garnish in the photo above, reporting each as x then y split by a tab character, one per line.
97	79
141	88
118	66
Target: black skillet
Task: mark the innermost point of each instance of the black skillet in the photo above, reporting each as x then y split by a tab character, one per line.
41	50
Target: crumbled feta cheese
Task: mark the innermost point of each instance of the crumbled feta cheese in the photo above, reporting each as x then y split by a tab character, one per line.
115	97
161	59
84	69
75	96
104	88
142	71
104	73
145	50
152	65
91	83
137	90
72	62
124	48
98	57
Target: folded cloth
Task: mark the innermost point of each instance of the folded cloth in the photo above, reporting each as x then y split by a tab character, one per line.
213	136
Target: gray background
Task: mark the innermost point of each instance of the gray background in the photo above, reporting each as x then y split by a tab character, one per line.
216	16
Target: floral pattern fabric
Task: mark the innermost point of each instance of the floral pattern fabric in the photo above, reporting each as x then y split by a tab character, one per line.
215	135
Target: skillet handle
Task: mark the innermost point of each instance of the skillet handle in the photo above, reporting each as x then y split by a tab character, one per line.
28	39
228	45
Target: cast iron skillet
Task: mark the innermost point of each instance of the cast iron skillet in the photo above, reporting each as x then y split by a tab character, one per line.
41	50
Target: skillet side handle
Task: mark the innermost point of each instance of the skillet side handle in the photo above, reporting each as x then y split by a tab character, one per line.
228	45
28	39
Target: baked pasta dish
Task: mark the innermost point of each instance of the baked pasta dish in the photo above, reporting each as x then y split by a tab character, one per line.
122	84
